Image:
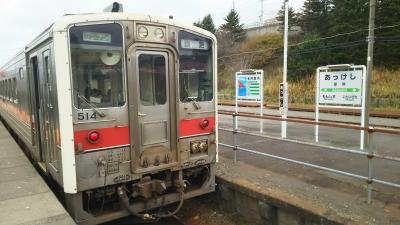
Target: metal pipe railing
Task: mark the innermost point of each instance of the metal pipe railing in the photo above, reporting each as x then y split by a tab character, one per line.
321	123
360	177
391	158
370	154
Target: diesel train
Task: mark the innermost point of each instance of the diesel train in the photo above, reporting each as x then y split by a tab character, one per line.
119	110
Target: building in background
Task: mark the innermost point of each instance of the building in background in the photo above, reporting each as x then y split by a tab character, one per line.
269	26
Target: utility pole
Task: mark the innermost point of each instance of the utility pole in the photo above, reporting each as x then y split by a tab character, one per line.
365	123
262	13
285	84
233	5
370	64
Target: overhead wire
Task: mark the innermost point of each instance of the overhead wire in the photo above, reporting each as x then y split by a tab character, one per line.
313	40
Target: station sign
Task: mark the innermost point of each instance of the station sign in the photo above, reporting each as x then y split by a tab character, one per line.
249	85
340	87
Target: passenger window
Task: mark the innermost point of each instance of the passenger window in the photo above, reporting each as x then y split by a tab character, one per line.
152	79
21	73
47	68
8	89
15	92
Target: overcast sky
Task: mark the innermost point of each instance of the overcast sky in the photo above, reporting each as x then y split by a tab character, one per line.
21	21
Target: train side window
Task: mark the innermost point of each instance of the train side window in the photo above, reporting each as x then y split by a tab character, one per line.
21	73
1	89
10	90
47	68
15	91
152	79
7	94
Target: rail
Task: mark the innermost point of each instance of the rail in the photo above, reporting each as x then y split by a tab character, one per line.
369	153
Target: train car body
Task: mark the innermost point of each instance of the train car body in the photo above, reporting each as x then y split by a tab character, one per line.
119	109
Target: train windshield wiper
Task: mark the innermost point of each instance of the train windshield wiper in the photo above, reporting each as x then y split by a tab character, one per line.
93	107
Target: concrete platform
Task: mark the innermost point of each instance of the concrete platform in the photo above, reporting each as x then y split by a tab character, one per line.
266	197
24	196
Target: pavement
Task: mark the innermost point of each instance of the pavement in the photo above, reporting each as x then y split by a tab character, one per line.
25	199
331	205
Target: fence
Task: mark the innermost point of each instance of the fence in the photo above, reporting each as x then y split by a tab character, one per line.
368	153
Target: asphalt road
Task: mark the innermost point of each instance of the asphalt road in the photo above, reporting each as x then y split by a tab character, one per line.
383	144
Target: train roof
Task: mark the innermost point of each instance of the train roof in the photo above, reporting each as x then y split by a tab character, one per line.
61	25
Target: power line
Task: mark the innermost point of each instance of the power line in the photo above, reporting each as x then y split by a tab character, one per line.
338	46
343	34
317	39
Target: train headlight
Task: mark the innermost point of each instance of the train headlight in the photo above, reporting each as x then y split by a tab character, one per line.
198	146
194	147
142	32
203	146
159	33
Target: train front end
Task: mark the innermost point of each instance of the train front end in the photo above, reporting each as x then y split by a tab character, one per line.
144	116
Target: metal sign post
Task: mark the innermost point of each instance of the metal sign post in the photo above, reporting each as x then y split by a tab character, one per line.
250	88
285	62
341	86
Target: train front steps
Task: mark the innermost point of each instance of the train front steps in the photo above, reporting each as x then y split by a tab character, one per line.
25	199
268	198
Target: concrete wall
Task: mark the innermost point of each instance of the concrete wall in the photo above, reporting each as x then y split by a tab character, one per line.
261	211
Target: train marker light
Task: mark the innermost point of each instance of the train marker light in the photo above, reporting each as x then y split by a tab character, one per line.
93	136
204	123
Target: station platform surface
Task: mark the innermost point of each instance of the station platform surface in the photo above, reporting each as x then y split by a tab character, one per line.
329	203
24	196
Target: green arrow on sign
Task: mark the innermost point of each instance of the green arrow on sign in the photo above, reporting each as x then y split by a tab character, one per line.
340	89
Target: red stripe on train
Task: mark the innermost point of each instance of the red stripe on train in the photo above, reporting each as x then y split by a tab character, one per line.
192	127
109	137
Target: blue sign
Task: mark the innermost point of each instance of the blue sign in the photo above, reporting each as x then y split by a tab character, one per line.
242	86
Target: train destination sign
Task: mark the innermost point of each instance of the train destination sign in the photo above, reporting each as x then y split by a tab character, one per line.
340	87
249	85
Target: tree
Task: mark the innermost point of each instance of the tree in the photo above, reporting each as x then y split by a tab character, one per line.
232	24
314	17
207	23
387	45
293	17
303	60
349	16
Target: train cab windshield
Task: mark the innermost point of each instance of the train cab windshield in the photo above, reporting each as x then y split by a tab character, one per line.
97	69
196	68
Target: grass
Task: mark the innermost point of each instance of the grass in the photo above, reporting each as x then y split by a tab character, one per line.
385	95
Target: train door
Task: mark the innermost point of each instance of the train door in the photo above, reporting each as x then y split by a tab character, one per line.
48	109
36	109
41	105
152	109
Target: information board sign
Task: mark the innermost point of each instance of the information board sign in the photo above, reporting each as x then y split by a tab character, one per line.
249	85
340	87
249	88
